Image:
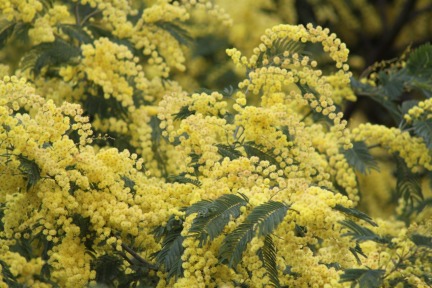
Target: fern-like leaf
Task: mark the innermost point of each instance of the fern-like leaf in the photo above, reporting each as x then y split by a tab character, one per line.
407	183
356	251
360	158
30	170
228	151
176	31
267	254
365	278
183	113
419	62
252	149
183	179
75	32
172	249
361	234
49	54
421	240
6	32
108	268
423	129
262	221
213	216
356	213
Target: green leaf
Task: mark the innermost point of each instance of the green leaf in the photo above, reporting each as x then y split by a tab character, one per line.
407	183
228	151
31	171
8	278
365	278
423	129
184	180
421	240
267	255
6	32
419	62
392	84
56	53
172	247
129	183
183	113
356	251
108	268
356	213
252	149
260	222
213	216
279	46
176	31
361	234
360	158
75	32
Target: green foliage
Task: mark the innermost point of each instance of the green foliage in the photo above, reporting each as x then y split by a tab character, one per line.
365	278
213	216
169	257
8	277
421	240
183	113
30	170
279	46
408	184
183	179
107	267
359	157
355	213
56	53
267	254
75	32
423	128
253	149
262	221
228	151
361	234
176	31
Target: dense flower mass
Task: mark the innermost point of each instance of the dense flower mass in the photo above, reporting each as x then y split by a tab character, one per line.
133	152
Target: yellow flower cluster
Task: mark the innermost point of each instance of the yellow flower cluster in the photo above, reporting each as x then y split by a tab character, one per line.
110	66
17	10
421	111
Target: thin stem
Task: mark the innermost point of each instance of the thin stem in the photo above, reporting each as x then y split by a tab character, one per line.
138	257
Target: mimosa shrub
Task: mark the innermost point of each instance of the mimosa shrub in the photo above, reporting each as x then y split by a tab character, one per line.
113	174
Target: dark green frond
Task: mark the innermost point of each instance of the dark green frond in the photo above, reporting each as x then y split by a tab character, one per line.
184	180
360	158
228	151
107	267
392	84
129	183
75	32
252	149
365	278
30	170
423	129
279	46
262	221
183	113
356	251
170	255
176	31
6	31
213	216
421	240
407	183
420	61
267	254
356	213
8	278
56	53
360	233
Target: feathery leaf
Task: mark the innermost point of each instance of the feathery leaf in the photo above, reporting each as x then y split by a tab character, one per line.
360	233
75	32
423	129
267	254
252	149
421	240
419	61
176	31
262	221
407	183
183	113
360	158
213	216
365	278
30	169
356	213
228	151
